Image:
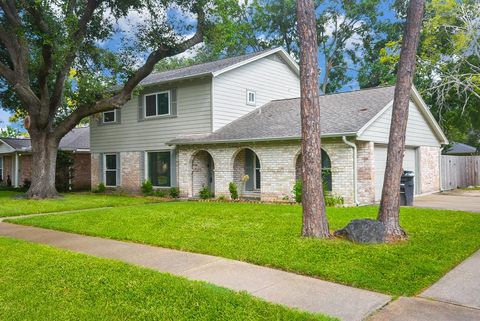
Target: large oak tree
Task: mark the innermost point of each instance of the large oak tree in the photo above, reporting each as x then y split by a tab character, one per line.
315	222
55	69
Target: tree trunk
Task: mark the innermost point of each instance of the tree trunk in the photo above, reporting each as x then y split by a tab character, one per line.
44	158
389	213
315	222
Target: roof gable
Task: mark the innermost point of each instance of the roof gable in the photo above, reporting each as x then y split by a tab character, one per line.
215	68
421	124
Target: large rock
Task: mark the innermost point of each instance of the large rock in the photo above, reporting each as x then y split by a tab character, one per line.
363	231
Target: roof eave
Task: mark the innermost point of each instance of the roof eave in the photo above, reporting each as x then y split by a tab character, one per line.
250	140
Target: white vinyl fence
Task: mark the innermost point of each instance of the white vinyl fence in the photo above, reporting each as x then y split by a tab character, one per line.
459	171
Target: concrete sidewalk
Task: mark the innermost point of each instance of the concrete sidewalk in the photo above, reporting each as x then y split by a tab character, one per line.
456	296
418	309
460	286
276	286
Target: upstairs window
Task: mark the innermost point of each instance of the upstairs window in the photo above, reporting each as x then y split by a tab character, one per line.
251	97
157	104
109	116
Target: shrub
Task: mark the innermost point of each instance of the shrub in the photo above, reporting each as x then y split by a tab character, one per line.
205	193
101	188
174	192
232	187
160	193
333	201
26	183
221	198
297	191
147	188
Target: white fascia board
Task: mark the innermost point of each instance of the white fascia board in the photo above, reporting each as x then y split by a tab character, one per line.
280	50
428	115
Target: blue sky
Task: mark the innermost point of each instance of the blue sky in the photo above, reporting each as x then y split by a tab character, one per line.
127	25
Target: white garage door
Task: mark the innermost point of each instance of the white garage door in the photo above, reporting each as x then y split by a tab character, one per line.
409	164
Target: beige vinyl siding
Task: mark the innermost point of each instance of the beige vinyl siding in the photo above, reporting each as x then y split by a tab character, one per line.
270	77
4	148
193	116
419	132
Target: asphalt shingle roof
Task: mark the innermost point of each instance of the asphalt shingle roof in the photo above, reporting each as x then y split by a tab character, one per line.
342	113
197	70
459	148
78	138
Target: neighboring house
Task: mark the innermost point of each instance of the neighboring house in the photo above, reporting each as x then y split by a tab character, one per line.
212	124
459	149
16	159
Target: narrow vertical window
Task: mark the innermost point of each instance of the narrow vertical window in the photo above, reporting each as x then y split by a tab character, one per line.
111	170
1	168
251	97
257	172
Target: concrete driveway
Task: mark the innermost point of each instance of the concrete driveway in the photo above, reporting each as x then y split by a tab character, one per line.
461	200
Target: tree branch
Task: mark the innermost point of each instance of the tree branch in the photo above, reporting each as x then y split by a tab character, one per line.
77	40
124	95
45	69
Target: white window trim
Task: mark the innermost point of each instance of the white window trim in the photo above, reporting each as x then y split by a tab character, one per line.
105	169
156	104
171	167
114	117
254	102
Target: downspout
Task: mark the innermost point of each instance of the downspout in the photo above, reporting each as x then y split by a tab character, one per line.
354	147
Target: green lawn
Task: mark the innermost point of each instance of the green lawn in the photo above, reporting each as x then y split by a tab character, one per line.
42	283
269	235
12	205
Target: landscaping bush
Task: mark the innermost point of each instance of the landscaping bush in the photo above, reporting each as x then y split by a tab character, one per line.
26	184
232	187
161	193
330	200
297	191
333	201
174	192
147	188
101	188
205	193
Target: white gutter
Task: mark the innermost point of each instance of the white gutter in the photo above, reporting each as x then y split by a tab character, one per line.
354	147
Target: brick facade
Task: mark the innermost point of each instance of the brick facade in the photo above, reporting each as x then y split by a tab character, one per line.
365	172
279	168
95	170
81	171
429	169
25	169
130	172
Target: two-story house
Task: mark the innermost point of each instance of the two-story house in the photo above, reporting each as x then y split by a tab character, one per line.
225	121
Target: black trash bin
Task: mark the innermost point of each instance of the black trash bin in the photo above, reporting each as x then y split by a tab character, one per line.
407	184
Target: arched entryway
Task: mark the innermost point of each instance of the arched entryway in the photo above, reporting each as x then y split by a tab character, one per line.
246	164
326	170
203	172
